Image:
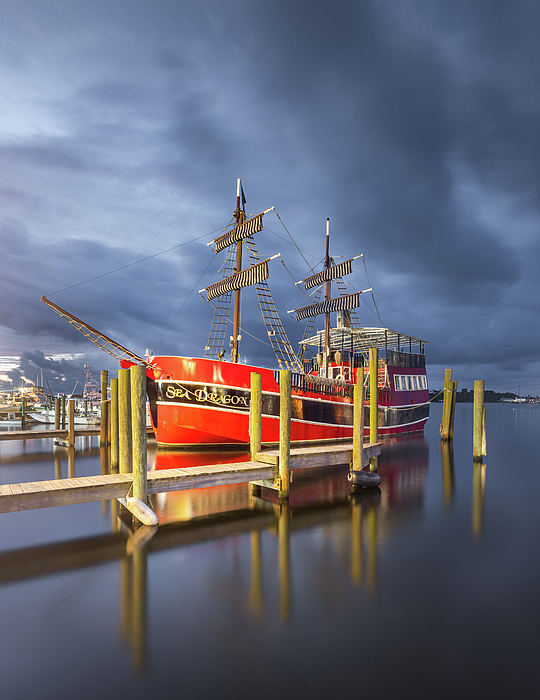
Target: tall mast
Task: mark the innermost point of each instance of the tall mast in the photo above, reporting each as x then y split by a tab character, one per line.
239	215
326	355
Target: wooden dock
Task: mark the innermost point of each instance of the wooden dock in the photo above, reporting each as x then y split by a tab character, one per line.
57	492
268	468
61	434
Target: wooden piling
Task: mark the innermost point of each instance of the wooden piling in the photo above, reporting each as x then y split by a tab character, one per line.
447	405
63	405
358	426
255	414
138	431
285	384
57	413
373	394
373	403
114	424
103	438
479	439
124	421
71	423
23	412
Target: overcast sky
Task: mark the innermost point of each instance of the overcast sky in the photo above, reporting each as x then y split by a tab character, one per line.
413	125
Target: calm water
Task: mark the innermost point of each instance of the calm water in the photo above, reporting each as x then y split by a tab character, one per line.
429	587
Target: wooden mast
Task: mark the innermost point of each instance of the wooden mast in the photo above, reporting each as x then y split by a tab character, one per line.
240	216
326	356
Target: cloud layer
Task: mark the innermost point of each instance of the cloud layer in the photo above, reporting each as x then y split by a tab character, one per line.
414	127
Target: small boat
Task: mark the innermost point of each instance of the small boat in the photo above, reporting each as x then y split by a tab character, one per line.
48	416
204	401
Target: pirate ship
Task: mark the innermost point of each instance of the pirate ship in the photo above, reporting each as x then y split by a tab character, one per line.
204	401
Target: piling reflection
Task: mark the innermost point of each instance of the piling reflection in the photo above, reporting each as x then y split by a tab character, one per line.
357	544
71	462
133	593
57	466
284	561
255	600
447	456
479	480
365	504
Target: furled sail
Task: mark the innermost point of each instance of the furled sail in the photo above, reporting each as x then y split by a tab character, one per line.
350	301
247	228
331	273
246	278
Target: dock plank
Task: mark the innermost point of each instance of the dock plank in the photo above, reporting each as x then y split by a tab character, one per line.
60	434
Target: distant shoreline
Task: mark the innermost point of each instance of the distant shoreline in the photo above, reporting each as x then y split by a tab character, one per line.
466	396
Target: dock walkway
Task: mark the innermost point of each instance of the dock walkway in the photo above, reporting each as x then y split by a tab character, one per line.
44	494
61	434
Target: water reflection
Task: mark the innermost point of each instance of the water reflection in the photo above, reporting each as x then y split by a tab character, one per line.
255	599
364	506
479	481
447	457
320	499
133	593
284	561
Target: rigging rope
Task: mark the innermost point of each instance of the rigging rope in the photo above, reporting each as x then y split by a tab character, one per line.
372	295
91	279
180	309
294	242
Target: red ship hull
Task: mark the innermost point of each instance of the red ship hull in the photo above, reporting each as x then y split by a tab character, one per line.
199	402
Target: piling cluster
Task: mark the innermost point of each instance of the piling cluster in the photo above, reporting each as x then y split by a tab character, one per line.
479	443
357	476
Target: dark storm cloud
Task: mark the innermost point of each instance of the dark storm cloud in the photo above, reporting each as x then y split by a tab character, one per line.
59	376
413	126
134	306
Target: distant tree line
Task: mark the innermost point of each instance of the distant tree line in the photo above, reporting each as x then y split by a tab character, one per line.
466	396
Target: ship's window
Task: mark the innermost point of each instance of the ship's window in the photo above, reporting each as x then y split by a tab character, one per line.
409	382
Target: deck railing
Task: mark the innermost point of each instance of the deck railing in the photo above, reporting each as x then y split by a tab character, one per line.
318	385
405	359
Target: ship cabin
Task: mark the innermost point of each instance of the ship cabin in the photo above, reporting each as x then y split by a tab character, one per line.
402	378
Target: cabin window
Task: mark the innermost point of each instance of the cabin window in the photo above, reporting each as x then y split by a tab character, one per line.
342	372
411	382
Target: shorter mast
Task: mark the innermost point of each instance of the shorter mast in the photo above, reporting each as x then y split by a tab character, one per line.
326	353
